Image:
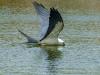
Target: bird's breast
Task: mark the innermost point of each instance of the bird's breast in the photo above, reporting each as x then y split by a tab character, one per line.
52	42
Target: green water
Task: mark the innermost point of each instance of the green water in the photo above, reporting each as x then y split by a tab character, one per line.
80	55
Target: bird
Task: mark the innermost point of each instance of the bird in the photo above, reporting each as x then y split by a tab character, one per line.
51	24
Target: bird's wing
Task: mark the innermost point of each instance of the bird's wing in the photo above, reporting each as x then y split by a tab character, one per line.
44	18
29	39
55	25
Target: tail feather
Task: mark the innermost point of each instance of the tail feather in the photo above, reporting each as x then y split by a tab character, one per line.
30	40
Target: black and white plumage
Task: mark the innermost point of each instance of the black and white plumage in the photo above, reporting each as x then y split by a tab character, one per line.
51	25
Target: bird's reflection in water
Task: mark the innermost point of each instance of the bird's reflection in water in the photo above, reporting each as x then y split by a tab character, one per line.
52	52
54	56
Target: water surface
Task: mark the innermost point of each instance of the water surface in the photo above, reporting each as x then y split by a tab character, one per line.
80	55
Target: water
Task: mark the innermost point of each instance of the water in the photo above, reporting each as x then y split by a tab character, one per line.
80	55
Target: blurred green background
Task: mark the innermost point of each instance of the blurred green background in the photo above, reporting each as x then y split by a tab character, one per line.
61	4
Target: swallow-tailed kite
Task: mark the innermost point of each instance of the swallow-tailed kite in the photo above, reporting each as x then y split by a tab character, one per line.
51	25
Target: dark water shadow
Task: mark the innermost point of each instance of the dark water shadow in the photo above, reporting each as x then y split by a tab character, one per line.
52	52
54	55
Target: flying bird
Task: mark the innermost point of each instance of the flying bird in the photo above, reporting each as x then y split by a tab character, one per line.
51	24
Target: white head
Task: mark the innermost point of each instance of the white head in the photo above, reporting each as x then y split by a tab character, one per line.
61	42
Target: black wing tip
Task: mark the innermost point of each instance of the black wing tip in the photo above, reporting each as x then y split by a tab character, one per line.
54	10
55	14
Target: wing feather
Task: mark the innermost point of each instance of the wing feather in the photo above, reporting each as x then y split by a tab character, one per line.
51	21
44	18
55	24
29	39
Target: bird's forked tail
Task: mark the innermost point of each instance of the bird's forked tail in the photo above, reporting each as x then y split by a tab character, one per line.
29	39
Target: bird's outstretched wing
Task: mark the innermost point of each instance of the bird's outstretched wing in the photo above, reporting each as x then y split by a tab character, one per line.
55	25
44	18
51	23
30	40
